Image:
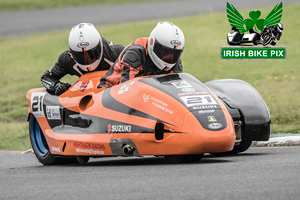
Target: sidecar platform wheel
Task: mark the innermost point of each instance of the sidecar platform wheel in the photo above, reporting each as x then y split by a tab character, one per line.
192	158
82	160
174	159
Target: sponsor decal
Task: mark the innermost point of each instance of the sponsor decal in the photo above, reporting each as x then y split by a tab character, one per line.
198	100
191	94
37	102
125	87
89	151
175	42
79	85
53	112
157	103
211	118
188	90
162	108
89	145
215	125
181	84
82	44
254	31
118	128
55	149
146	97
204	107
205	111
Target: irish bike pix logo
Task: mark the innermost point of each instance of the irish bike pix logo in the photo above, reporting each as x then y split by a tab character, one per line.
255	37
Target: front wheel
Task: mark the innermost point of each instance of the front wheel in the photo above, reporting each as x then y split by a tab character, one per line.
39	143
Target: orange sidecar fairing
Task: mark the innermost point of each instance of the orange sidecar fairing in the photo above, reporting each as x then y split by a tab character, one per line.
171	114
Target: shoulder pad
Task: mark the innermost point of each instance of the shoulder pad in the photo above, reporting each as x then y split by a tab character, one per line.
133	58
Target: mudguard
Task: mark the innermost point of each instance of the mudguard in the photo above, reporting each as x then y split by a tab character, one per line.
238	94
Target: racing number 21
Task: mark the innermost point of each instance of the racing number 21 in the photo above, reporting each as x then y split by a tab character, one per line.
197	100
37	100
37	103
205	99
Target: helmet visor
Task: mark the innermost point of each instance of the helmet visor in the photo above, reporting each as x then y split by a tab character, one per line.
87	57
167	54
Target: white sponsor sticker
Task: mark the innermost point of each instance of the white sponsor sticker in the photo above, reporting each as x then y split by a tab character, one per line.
37	102
56	149
205	111
146	97
188	90
215	125
198	100
89	151
53	112
157	103
181	84
125	87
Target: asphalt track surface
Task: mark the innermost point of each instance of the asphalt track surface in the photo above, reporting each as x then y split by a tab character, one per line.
28	22
259	173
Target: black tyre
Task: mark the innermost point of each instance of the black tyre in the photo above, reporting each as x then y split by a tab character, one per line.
256	39
82	160
175	159
266	40
192	158
39	143
41	148
243	146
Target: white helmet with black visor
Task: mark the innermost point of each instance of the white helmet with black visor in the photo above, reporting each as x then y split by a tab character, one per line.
86	47
165	45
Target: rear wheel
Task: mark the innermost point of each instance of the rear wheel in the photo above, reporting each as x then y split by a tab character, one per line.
39	143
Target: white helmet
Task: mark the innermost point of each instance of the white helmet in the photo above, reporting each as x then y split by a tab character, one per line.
165	45
85	44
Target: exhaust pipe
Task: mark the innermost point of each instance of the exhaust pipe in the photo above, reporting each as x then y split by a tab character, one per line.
128	150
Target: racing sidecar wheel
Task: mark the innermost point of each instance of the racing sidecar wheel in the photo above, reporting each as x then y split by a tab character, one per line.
192	158
243	146
82	160
39	143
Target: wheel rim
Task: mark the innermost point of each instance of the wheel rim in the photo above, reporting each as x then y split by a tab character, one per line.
38	139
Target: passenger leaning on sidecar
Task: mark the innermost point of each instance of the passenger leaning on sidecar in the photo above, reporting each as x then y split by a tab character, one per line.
88	51
157	54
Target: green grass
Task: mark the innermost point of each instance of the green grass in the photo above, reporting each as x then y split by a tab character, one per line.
14	5
24	59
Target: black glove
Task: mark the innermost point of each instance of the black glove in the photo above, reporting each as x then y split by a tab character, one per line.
61	88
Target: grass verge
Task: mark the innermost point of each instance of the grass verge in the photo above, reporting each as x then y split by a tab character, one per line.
15	5
24	59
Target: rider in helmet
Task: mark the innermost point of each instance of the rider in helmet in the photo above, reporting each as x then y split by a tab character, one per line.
157	54
88	51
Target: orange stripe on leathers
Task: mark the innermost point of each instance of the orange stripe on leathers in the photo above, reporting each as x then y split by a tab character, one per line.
118	67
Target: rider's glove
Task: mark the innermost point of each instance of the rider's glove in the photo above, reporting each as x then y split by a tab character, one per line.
61	88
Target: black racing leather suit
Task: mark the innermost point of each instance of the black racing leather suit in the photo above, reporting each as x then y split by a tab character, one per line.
67	65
